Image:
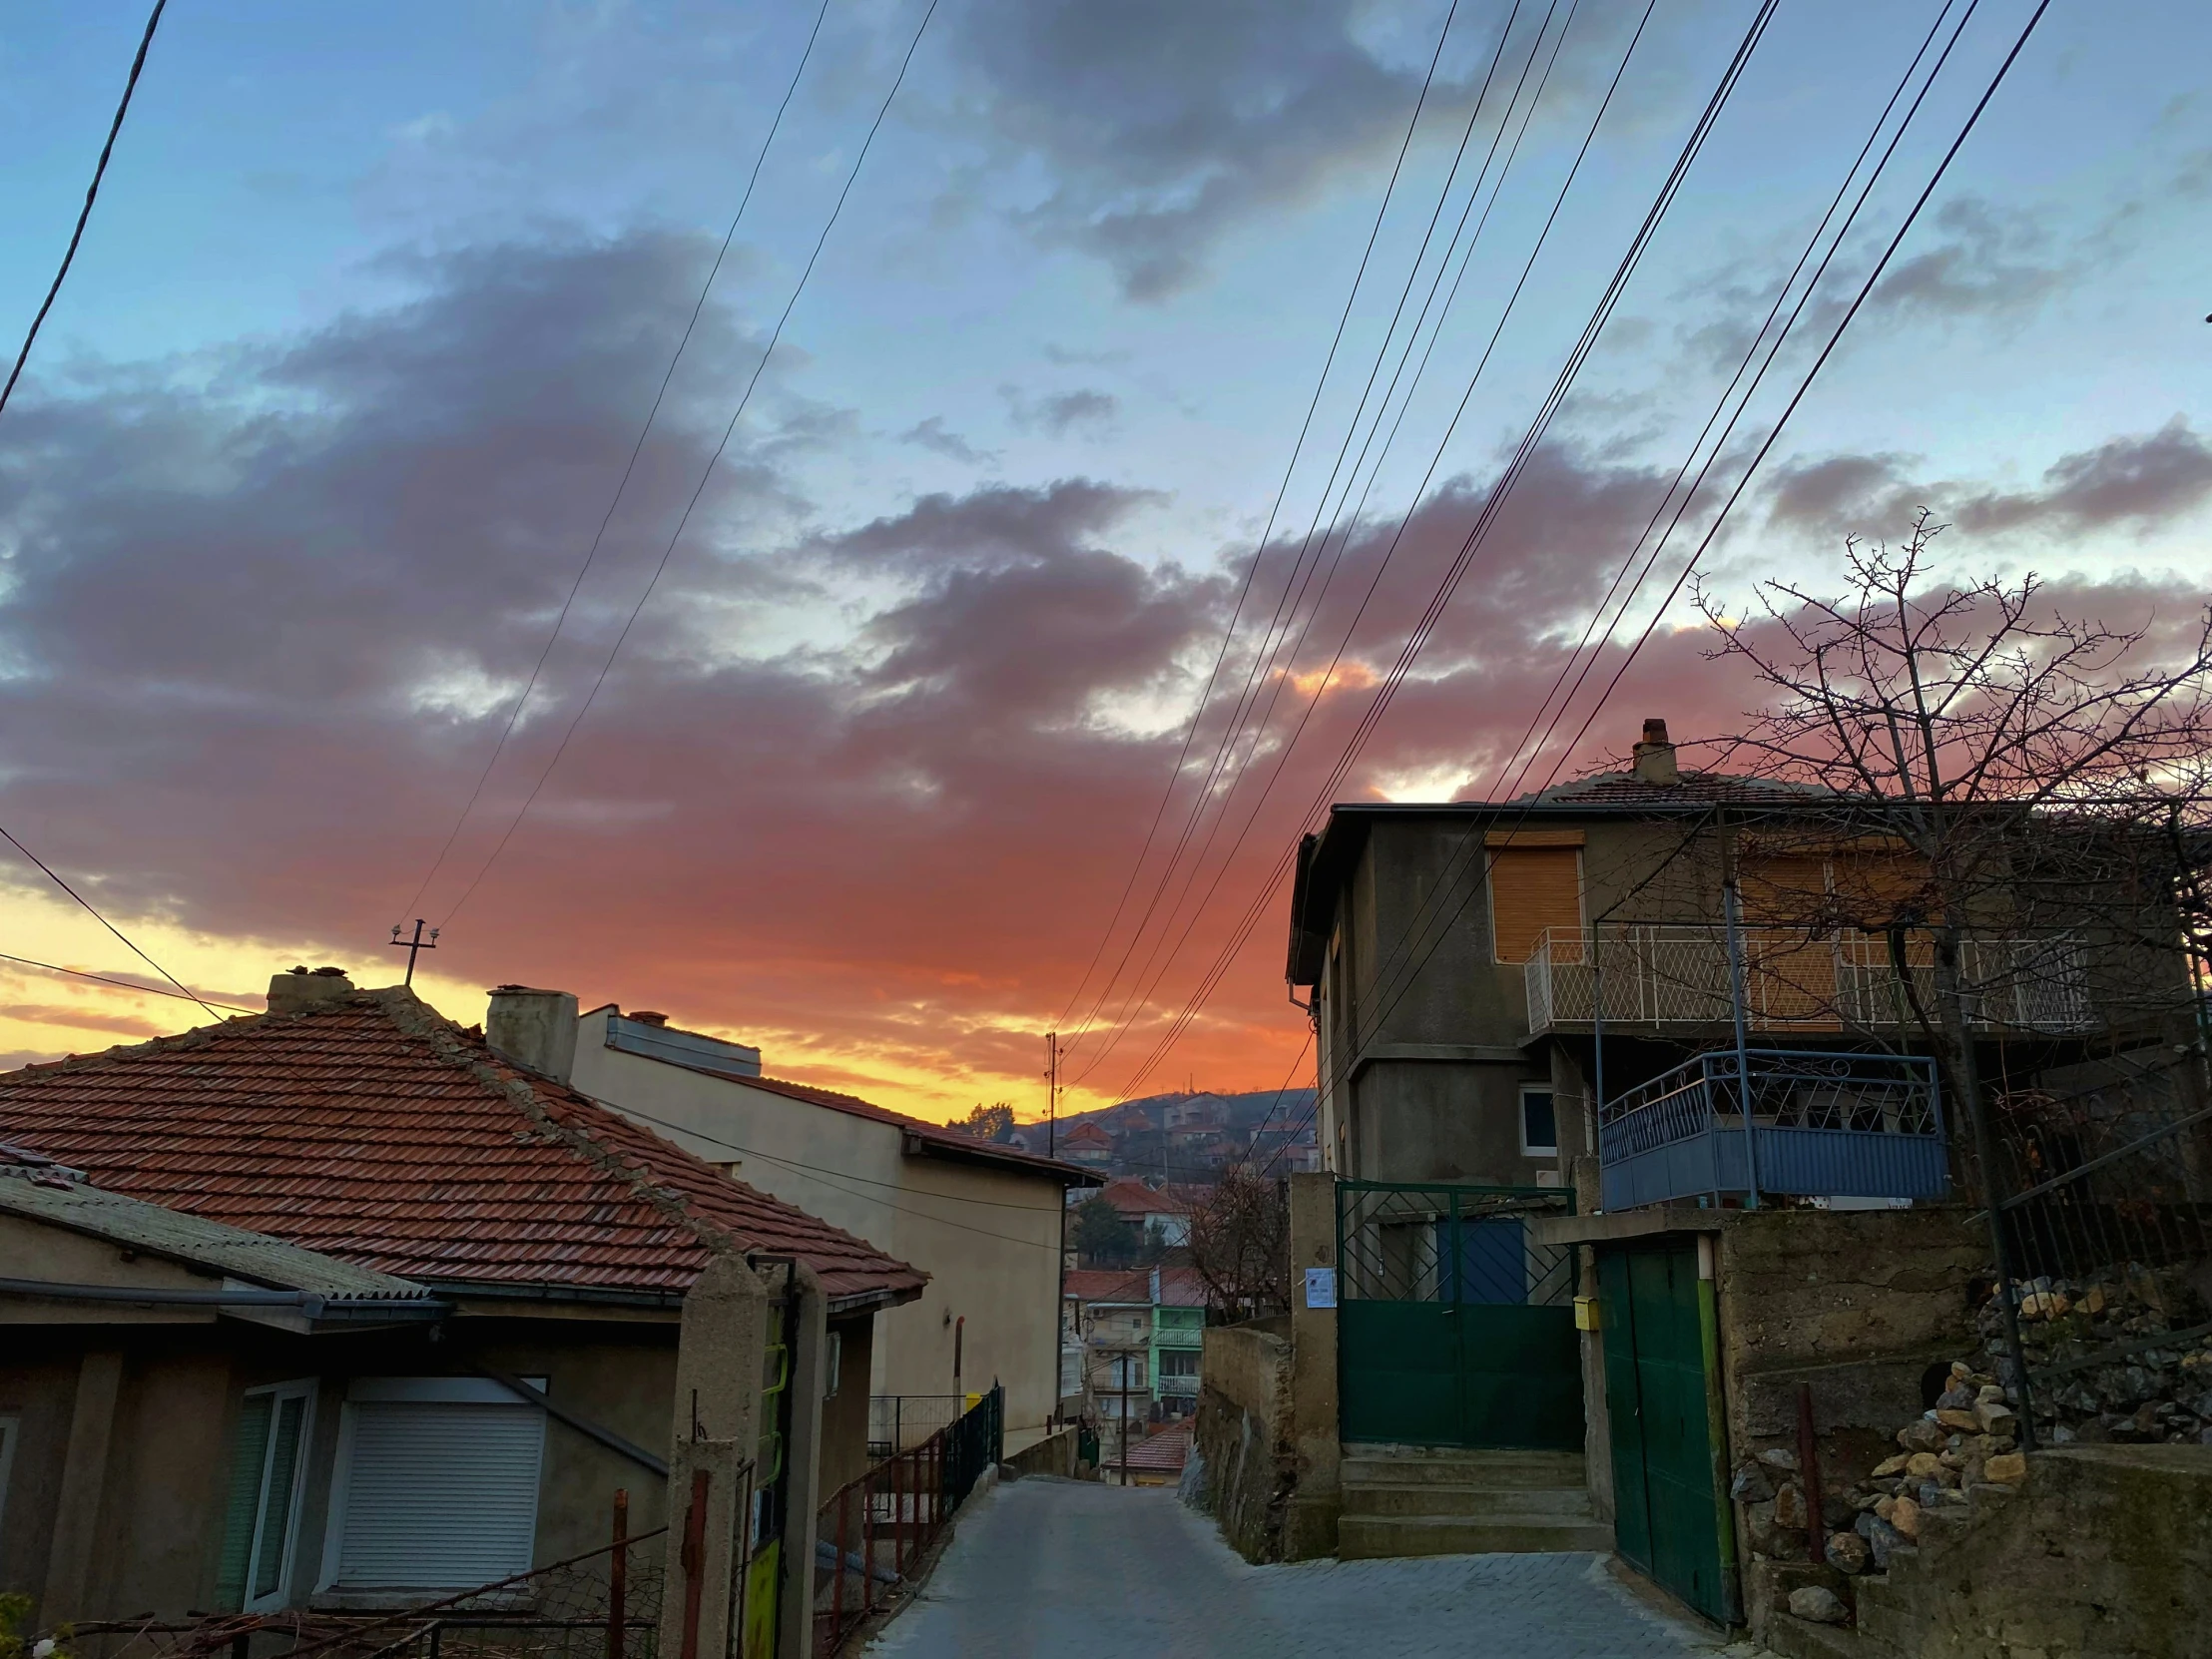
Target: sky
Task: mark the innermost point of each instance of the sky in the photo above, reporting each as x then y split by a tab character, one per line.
855	760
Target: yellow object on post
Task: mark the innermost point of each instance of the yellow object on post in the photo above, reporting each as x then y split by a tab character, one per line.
1585	1314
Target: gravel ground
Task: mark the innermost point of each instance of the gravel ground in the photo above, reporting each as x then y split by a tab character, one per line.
1056	1569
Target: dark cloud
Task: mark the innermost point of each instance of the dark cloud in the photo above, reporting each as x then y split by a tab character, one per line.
1165	125
933	435
2132	482
1085	410
2135	483
1987	263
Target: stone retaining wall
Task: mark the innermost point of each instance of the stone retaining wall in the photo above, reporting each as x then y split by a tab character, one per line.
1243	1434
1056	1454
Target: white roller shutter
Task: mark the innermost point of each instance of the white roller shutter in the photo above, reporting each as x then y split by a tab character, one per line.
439	1495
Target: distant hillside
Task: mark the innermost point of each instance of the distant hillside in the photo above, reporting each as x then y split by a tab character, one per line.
1246	1109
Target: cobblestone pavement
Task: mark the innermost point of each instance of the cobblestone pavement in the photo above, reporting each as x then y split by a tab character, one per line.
1054	1569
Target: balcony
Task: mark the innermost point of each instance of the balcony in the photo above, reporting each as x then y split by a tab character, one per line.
1818	1125
1178	1388
1663	979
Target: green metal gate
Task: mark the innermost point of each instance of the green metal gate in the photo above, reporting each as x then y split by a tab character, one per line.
1671	1518
1454	1327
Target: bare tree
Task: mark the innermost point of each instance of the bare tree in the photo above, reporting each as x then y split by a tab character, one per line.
1240	1246
2002	766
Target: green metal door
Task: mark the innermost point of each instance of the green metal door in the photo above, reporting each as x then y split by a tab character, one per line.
1454	1325
1671	1516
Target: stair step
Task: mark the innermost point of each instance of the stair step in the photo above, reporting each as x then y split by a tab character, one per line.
1453	1468
1486	1502
1377	1537
1795	1638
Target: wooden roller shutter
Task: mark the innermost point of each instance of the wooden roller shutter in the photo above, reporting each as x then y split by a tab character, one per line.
1532	888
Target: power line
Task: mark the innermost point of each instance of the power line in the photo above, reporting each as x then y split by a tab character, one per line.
708	472
1857	301
1258	551
103	920
84	214
630	466
125	984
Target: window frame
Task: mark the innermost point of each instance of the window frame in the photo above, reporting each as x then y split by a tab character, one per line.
1530	845
304	1389
1520	1099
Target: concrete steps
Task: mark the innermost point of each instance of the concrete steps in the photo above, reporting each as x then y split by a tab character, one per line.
1409	1500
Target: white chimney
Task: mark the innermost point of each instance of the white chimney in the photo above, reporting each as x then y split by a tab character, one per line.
302	989
533	1028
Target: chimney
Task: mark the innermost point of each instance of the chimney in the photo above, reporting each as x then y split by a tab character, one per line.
647	1016
1655	756
302	990
533	1028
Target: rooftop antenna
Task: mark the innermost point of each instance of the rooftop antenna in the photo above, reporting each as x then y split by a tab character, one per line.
414	946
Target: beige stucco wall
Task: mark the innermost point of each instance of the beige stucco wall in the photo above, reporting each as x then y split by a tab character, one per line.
988	1238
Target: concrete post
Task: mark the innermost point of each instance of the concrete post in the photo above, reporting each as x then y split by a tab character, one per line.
719	1355
1310	1518
77	1535
810	1381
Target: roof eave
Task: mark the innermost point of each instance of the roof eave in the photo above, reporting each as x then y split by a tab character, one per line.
918	1145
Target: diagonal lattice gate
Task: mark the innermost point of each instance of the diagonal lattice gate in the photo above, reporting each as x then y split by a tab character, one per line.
1454	1325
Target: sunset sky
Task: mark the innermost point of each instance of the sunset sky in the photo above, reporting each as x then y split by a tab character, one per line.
375	300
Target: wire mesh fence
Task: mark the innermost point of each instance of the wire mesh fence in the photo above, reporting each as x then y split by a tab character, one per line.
899	1423
872	1531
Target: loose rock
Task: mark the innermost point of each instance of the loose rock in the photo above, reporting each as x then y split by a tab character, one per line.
1848	1552
1820	1604
1924	1465
2008	1468
1751	1485
1789	1507
1905	1515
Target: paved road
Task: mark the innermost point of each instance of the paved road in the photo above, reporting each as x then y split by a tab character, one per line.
1053	1569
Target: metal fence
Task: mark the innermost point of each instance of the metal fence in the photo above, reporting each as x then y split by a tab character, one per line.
1453	1245
899	1423
1679	975
873	1531
2107	1224
602	1604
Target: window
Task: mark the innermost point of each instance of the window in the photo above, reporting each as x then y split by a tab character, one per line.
1178	1362
261	1517
1535	888
1539	1125
437	1485
833	1362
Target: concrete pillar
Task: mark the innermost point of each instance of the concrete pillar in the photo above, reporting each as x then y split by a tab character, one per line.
716	1432
75	1549
810	1380
1310	1518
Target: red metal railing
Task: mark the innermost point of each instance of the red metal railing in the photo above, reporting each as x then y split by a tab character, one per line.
872	1531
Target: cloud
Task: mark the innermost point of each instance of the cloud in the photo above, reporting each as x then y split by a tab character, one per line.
2135	483
1989	262
2132	482
933	435
1162	127
1086	412
74	1018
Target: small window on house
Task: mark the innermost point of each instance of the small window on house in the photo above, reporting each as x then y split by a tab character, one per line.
1535	889
1178	1362
833	1362
261	1518
1539	1127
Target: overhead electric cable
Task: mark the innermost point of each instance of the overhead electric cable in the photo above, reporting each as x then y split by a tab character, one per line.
1260	548
707	472
84	214
125	984
1805	386
93	910
630	466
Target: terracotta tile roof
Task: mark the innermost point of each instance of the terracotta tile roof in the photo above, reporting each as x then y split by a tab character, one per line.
1625	788
1169	1449
1133	1198
1179	1286
371	1128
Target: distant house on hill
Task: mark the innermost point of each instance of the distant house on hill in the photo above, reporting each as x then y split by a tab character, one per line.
1166	1208
1088	1145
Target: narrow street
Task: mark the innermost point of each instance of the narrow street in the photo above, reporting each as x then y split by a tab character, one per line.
1053	1569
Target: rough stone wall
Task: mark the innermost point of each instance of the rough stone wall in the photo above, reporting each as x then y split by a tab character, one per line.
1243	1434
2105	1552
1857	1305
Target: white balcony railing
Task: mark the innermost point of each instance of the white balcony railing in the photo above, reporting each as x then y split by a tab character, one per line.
1662	977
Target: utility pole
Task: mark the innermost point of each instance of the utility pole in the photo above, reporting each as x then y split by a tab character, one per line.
1051	1094
414	946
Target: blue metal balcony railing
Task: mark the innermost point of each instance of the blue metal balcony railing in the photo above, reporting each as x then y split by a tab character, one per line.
1823	1125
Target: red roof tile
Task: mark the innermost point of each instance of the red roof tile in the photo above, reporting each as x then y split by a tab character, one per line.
1179	1286
1133	1198
373	1130
1169	1449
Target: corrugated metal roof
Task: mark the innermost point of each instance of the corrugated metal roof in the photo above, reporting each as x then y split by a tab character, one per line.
371	1128
159	1231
